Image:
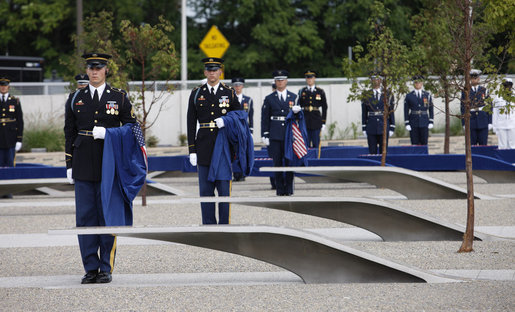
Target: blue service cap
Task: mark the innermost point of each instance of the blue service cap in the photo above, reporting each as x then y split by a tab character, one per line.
237	81
212	63
280	74
82	79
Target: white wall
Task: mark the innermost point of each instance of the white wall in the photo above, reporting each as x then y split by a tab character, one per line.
172	119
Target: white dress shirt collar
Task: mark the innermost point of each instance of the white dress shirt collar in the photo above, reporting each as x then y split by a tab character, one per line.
215	87
283	94
100	90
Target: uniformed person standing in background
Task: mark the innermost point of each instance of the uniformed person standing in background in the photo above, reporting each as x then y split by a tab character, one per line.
372	109
207	103
275	108
89	111
313	101
247	105
480	121
11	126
82	81
418	113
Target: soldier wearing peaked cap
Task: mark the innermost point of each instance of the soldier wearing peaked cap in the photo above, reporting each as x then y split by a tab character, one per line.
480	121
503	119
418	112
88	112
11	126
247	104
313	101
372	111
207	104
82	80
276	107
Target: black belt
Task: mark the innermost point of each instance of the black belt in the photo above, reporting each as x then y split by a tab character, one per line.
419	113
311	108
211	124
86	132
375	114
278	118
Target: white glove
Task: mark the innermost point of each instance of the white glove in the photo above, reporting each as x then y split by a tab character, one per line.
69	176
494	130
390	133
408	127
219	122
296	109
193	159
365	133
323	128
99	133
463	127
18	146
490	127
430	126
266	141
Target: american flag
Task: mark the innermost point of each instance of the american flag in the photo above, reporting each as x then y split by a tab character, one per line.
138	135
299	146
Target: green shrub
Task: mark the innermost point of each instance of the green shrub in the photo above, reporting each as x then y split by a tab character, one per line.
50	137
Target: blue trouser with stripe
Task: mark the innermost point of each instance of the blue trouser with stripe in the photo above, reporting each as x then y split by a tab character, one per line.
97	251
207	188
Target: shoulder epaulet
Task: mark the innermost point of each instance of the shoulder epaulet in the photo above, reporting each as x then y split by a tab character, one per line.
228	87
119	90
197	87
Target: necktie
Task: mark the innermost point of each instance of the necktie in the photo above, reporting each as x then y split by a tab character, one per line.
418	94
299	146
212	91
281	98
95	98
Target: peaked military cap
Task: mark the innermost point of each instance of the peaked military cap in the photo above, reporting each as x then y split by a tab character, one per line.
98	60
310	73
280	74
418	78
82	79
475	73
507	82
212	63
4	81
237	81
375	75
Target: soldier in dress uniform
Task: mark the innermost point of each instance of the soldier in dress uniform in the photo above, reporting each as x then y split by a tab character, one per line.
313	101
480	121
418	112
82	81
89	111
247	105
275	108
11	125
372	110
207	104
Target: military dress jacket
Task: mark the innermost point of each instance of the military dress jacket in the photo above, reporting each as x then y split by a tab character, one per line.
273	115
83	153
418	112
248	105
11	122
479	119
204	108
314	105
372	115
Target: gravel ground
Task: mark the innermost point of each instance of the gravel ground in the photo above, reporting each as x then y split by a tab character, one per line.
37	214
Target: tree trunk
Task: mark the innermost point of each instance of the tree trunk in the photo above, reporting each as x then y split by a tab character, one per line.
143	130
386	111
446	143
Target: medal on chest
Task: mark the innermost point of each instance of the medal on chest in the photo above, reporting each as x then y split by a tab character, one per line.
11	108
112	108
224	101
318	97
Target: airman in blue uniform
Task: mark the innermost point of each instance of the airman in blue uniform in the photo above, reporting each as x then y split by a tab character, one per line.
372	111
480	121
247	105
82	81
418	113
313	101
207	104
88	112
275	108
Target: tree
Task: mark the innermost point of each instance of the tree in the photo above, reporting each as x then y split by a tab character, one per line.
386	56
152	55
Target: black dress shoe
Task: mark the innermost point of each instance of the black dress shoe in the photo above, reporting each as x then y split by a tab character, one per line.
90	277
104	277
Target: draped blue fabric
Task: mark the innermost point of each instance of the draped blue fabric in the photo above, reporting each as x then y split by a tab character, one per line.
123	174
288	139
234	136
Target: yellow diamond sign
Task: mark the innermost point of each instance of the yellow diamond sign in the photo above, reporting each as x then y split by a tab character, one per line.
214	43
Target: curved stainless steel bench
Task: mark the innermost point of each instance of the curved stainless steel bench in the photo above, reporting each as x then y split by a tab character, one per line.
384	219
314	258
412	184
